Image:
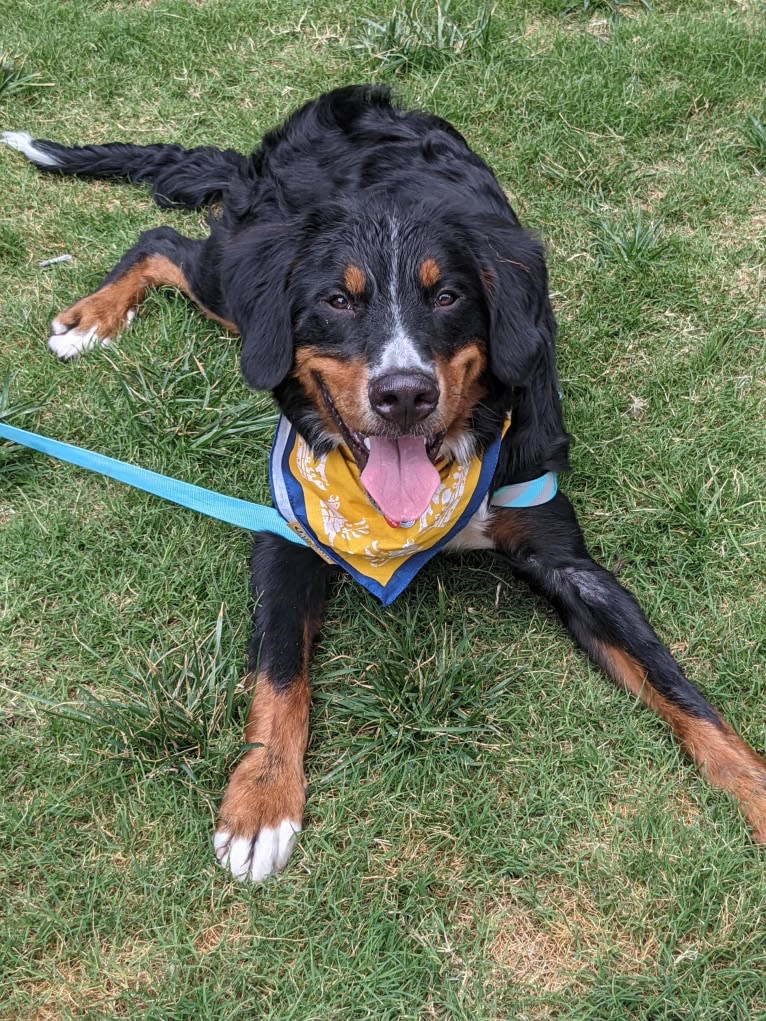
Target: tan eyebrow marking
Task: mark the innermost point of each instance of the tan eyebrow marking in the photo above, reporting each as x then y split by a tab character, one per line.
429	272
354	279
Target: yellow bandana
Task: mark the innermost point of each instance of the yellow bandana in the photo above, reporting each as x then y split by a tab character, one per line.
323	501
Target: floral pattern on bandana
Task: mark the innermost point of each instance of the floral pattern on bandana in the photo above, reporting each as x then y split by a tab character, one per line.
323	499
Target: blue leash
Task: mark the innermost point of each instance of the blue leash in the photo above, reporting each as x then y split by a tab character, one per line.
254	517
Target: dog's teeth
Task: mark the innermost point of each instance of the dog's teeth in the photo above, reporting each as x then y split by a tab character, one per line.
367	442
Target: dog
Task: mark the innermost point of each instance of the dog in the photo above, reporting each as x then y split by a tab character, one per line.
387	295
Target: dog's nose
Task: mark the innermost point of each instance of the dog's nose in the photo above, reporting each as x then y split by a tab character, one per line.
404	398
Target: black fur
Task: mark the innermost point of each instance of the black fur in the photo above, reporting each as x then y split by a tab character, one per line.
186	178
329	181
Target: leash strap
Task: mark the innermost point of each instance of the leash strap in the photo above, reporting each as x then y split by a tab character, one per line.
253	517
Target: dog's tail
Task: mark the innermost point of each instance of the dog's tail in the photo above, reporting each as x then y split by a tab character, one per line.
189	178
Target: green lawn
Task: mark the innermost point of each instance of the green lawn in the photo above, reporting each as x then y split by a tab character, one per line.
493	832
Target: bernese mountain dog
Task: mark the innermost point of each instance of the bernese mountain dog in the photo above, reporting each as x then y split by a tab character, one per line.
387	295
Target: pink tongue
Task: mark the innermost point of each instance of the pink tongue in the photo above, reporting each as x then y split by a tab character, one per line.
399	477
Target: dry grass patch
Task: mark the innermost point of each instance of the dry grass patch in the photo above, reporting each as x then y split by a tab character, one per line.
78	991
733	232
233	926
561	944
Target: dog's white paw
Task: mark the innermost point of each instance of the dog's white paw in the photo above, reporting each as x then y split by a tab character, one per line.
68	343
255	858
69	338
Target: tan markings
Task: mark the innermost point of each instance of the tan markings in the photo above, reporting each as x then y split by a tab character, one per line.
107	309
429	272
488	279
460	388
268	784
507	529
354	279
346	383
724	758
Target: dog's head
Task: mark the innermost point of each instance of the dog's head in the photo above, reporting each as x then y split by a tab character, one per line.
403	336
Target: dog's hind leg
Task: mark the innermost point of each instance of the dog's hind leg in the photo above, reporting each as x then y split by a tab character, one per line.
161	258
262	809
545	548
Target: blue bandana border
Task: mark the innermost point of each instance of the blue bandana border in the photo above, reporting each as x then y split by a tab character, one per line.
287	494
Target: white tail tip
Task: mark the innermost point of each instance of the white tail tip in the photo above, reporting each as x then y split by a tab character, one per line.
25	144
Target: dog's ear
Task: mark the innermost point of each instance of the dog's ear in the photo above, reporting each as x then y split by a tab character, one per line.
257	270
521	346
521	322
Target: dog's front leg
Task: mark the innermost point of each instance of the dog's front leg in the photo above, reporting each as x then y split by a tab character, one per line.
545	548
262	809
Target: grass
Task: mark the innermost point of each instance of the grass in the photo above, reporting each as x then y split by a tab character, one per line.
423	36
493	832
636	243
614	8
13	79
755	141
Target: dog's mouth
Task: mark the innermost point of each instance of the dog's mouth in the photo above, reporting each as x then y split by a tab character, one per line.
398	472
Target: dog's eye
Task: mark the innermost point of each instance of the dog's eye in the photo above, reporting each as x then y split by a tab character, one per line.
445	298
339	301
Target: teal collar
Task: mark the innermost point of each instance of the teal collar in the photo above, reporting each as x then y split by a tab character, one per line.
527	494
